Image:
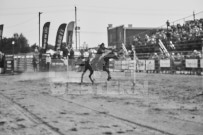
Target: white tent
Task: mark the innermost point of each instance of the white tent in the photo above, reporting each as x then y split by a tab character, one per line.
77	53
86	54
50	51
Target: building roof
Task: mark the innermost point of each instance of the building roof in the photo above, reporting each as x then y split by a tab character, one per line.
130	27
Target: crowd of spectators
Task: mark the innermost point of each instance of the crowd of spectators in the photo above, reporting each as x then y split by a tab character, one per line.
189	31
178	56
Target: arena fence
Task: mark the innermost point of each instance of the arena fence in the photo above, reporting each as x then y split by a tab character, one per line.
23	63
58	65
186	66
8	64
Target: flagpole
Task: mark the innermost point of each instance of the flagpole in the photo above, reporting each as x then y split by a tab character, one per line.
134	66
39	27
76	27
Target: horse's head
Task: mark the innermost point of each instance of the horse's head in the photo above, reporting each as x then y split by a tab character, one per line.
111	55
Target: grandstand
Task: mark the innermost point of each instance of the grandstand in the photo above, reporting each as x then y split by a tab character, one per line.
177	38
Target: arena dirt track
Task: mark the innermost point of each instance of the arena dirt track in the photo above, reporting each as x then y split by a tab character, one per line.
158	104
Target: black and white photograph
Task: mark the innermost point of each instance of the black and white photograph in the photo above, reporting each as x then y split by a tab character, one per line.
101	67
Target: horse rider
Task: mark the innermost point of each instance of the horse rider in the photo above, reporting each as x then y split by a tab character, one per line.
99	55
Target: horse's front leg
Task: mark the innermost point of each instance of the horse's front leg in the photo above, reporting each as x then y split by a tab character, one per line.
83	74
109	76
82	77
90	76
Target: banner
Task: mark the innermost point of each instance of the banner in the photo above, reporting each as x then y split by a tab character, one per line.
69	34
111	64
124	65
132	65
9	63
165	63
191	63
59	36
45	35
118	65
201	63
150	65
1	31
141	65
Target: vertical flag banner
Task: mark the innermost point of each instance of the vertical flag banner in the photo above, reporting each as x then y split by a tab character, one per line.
59	36
69	34
45	35
1	31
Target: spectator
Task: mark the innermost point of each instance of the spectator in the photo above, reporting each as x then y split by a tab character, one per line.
155	56
65	52
195	55
1	55
1	59
34	62
172	46
131	54
172	56
48	62
71	53
178	57
71	58
58	54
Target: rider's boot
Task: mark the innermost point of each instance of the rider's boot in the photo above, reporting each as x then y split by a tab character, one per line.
109	78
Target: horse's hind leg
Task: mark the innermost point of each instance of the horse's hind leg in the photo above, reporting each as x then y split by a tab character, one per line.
108	72
83	75
90	76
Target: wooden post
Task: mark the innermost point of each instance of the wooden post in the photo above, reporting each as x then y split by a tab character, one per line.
67	68
134	75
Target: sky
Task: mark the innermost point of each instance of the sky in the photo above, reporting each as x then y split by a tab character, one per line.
93	16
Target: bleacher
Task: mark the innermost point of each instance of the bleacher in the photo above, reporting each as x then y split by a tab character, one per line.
176	38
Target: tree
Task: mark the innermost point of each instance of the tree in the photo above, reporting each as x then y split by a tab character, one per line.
6	45
20	44
33	47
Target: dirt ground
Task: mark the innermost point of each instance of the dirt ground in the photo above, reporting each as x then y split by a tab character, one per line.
56	104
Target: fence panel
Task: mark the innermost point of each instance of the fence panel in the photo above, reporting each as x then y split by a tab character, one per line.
131	65
111	64
165	63
9	64
29	65
201	63
124	65
150	64
141	65
58	65
23	63
118	65
191	63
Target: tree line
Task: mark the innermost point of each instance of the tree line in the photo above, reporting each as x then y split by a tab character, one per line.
18	44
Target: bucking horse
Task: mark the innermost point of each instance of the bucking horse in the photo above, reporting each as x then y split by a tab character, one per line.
98	65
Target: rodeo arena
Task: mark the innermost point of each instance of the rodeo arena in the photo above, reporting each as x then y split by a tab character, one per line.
144	81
